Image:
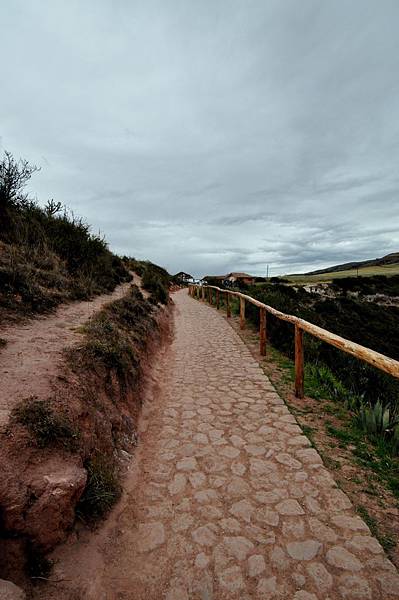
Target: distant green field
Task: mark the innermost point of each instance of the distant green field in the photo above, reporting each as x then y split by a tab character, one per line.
363	272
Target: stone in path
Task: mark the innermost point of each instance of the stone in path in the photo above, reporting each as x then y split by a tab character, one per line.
247	510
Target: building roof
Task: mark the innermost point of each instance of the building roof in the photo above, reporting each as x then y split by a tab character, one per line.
240	275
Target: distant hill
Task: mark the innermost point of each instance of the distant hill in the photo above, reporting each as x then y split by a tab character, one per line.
389	259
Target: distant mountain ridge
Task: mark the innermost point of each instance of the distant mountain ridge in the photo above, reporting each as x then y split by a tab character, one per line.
389	259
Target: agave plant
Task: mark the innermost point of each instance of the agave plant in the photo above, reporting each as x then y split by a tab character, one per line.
378	419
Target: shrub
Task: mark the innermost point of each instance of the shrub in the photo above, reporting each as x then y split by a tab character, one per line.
45	425
115	337
110	346
102	488
156	281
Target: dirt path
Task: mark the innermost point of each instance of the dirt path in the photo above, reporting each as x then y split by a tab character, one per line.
30	360
226	499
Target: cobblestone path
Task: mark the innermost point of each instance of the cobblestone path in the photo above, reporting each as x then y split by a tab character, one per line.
233	503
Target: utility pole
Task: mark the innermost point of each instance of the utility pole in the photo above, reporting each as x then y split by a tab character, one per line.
267	272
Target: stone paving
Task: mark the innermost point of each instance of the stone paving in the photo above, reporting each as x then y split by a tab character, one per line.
234	502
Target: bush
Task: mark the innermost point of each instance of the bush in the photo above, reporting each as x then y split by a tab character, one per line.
45	425
156	281
102	488
115	337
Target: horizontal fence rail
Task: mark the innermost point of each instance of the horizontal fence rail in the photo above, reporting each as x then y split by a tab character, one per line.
380	361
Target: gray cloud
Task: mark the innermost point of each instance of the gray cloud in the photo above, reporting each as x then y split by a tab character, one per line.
212	136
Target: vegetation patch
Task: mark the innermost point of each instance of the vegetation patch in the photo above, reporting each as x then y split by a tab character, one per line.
102	489
47	255
116	336
154	279
47	427
386	541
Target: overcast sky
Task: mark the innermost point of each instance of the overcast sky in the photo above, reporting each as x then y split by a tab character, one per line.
211	136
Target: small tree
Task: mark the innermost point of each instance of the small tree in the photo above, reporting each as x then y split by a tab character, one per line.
14	176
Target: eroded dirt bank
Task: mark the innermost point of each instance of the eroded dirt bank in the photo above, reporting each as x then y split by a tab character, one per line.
95	391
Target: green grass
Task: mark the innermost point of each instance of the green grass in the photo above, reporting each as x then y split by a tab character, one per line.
115	337
326	277
47	427
102	489
329	462
319	382
345	436
386	541
376	457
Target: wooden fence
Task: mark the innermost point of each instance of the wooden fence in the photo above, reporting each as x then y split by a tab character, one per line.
380	361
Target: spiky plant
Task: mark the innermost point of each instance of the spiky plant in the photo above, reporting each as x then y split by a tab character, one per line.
378	419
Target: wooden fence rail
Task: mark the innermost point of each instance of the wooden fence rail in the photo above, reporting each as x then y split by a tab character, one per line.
380	361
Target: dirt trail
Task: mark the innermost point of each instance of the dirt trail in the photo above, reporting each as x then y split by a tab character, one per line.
225	499
30	360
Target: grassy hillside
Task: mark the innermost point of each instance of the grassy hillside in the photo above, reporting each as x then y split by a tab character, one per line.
47	255
387	270
386	265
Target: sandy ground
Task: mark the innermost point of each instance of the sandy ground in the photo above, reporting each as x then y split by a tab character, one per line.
31	359
225	498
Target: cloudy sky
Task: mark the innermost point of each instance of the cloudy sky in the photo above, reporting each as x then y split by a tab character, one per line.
216	135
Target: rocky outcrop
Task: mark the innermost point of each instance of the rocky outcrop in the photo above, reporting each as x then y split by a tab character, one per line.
57	485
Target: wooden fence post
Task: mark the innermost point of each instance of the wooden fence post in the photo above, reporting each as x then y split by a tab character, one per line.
262	331
203	293
242	313
217	299
210	295
299	378
228	308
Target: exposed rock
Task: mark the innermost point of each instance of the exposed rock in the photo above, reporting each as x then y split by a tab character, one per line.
57	486
242	510
9	591
339	557
238	546
267	587
290	507
354	587
232	579
303	550
150	535
204	536
256	565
